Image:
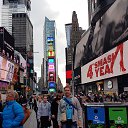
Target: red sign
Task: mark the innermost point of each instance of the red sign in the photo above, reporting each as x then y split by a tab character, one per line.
112	63
69	74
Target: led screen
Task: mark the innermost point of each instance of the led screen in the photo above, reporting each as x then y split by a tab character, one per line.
51	67
50	39
50	60
51	53
52	85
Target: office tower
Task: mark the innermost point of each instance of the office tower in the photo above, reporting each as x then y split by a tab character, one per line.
50	55
13	6
74	32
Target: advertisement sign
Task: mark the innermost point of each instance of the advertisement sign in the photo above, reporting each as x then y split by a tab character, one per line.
109	31
118	116
77	75
6	70
50	61
52	85
50	39
6	43
15	74
51	76
51	67
69	74
96	115
111	64
51	53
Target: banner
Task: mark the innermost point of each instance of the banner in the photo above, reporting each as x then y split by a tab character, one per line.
6	70
108	32
111	64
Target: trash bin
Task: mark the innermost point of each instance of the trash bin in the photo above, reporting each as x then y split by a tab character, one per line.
95	116
106	115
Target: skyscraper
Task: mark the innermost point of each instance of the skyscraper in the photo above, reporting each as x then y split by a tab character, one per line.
13	6
74	34
50	55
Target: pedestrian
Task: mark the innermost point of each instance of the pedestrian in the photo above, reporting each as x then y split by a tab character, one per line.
13	113
1	109
54	110
30	103
44	113
35	105
69	111
39	102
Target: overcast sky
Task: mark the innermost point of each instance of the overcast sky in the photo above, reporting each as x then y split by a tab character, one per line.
61	12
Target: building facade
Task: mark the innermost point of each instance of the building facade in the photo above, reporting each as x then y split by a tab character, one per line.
101	52
73	35
22	32
13	6
50	68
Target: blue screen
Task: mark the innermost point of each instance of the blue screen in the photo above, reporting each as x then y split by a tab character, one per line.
51	85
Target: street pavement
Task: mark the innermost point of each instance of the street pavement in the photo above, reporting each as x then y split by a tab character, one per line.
32	122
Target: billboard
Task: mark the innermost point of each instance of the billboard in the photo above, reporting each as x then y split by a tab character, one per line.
51	76
51	53
15	74
118	117
110	64
6	43
52	85
51	61
109	31
68	73
77	75
51	67
6	70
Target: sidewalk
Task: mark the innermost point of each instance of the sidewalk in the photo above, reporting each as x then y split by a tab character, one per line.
31	122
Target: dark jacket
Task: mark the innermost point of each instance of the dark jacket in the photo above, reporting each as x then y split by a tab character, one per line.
54	108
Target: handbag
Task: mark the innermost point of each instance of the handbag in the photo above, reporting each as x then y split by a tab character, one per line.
63	117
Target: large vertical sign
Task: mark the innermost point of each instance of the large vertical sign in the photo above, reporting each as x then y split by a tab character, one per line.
51	64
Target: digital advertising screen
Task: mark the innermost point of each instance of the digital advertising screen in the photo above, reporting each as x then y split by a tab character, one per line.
52	85
51	61
51	67
96	117
118	117
50	39
51	53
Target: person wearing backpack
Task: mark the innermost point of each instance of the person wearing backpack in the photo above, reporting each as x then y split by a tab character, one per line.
13	113
69	111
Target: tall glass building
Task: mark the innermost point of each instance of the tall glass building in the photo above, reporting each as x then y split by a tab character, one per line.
50	55
13	6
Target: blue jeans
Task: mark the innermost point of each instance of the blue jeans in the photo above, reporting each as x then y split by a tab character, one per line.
67	125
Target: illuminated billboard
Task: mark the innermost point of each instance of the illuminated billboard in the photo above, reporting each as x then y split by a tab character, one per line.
6	70
52	85
51	61
50	39
51	53
50	48
51	76
51	67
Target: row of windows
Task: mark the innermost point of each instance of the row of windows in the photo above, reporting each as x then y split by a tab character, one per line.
20	15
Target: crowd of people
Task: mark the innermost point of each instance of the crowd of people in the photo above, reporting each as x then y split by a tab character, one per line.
60	110
102	98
